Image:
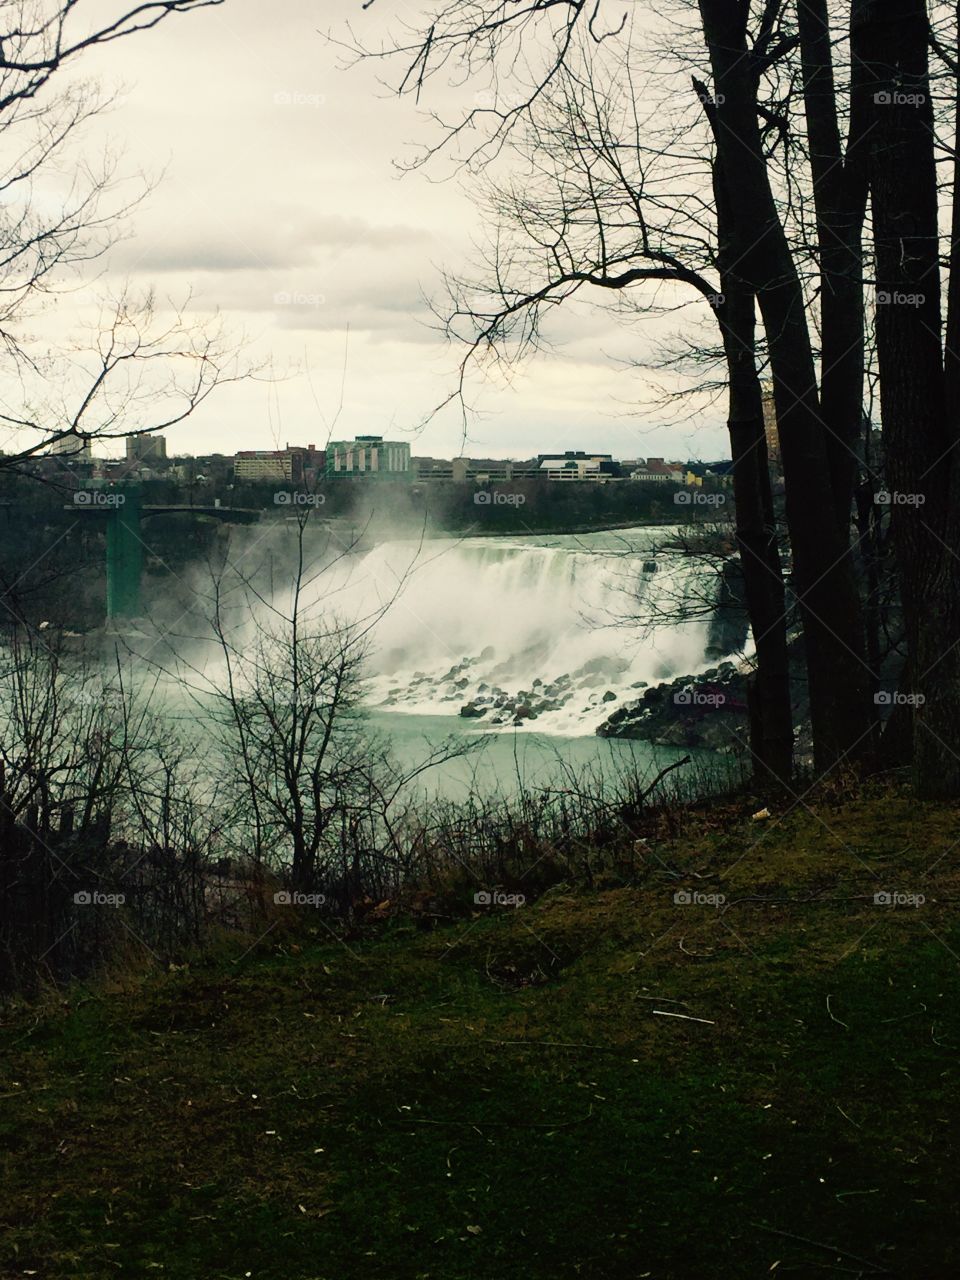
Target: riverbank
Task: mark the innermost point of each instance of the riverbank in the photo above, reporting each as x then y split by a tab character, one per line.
743	1063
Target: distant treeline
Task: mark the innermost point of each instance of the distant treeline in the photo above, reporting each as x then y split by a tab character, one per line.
500	507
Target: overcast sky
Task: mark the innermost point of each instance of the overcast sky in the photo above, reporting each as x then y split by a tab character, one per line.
281	205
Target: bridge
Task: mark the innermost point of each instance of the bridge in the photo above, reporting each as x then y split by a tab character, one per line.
124	540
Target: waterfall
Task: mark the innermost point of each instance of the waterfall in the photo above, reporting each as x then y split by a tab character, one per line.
486	622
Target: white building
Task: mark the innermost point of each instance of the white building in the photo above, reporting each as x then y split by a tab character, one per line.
367	455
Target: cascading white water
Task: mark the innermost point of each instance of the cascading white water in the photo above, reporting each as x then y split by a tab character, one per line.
489	623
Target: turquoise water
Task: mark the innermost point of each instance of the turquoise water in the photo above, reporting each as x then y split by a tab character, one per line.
504	762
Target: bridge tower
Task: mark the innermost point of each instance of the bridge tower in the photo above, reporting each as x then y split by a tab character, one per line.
124	555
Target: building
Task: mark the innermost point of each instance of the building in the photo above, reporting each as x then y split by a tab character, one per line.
717	473
260	465
72	449
475	470
367	456
575	464
292	464
656	471
145	446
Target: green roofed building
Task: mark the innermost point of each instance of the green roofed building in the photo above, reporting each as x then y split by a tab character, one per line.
367	456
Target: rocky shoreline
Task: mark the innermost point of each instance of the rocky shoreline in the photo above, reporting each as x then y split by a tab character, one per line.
499	707
708	710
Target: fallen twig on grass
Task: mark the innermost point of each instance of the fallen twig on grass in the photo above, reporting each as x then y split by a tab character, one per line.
665	1013
662	1000
836	1020
876	1268
497	1124
554	1044
696	955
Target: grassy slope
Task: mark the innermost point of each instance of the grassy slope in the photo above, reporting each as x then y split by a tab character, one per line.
498	1098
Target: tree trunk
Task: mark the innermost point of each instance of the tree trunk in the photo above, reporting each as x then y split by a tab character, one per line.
824	581
839	197
920	437
771	719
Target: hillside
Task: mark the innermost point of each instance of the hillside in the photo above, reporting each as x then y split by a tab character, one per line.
600	1084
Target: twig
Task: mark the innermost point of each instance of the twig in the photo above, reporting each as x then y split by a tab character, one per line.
833	1019
554	1044
662	1000
696	955
497	1124
903	1017
846	1117
664	1013
819	1244
661	775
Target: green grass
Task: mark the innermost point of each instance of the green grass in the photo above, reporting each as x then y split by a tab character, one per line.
498	1098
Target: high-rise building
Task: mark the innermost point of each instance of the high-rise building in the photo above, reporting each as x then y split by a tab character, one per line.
72	449
145	446
289	465
367	455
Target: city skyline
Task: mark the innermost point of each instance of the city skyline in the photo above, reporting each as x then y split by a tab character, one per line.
332	299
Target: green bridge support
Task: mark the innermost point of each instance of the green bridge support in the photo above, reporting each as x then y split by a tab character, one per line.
124	556
121	506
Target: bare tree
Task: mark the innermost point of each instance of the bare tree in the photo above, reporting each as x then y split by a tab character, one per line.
47	240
